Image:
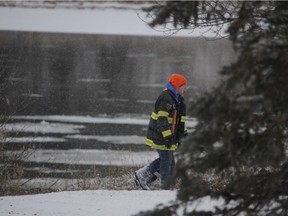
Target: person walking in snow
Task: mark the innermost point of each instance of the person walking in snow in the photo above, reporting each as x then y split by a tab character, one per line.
166	129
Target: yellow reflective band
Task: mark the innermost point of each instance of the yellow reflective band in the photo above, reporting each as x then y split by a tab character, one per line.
151	144
154	116
163	114
166	133
183	118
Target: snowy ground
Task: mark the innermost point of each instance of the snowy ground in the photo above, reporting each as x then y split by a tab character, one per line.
84	203
98	203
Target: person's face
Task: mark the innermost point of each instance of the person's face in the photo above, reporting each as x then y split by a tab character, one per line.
181	90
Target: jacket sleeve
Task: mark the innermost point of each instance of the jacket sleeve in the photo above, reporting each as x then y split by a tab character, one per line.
164	106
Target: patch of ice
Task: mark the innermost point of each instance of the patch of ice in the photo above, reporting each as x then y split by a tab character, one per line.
131	139
91	157
33	139
43	127
190	122
86	119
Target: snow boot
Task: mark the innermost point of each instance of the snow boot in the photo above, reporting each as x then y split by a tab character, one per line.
142	177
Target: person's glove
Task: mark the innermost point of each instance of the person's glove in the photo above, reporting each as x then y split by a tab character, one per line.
168	141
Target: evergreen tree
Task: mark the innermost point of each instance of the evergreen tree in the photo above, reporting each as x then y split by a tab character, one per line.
242	123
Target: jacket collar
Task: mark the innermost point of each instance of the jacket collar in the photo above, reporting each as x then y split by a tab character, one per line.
173	90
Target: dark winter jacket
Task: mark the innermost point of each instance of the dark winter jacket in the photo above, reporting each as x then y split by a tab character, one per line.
160	126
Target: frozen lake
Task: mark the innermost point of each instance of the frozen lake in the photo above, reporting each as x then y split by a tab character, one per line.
65	146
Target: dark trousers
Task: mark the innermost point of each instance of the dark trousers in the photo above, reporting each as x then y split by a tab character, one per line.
163	165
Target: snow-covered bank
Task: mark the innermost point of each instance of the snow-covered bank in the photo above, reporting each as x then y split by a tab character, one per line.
99	202
131	21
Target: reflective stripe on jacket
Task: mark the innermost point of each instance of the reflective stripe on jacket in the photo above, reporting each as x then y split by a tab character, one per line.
161	119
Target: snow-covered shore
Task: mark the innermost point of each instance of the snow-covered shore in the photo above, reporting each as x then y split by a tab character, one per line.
99	203
120	19
85	203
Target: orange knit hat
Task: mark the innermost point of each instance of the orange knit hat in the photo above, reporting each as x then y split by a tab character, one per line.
177	80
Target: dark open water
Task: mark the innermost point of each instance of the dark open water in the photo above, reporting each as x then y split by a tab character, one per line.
77	74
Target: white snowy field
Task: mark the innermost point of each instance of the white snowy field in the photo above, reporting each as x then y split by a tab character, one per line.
106	19
84	203
98	203
121	22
